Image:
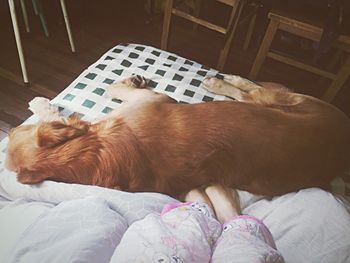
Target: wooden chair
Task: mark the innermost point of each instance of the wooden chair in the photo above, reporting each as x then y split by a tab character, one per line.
308	29
236	6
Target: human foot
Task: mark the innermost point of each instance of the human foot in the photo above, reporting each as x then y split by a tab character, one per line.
198	195
225	202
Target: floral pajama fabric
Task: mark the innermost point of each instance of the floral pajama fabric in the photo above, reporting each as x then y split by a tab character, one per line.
189	232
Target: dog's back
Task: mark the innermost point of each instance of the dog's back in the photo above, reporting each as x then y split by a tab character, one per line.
266	150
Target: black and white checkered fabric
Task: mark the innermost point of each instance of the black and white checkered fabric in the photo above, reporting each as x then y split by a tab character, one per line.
168	73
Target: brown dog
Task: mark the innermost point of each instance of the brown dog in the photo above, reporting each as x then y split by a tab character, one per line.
269	142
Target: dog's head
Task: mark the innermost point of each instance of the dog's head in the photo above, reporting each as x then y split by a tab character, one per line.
28	145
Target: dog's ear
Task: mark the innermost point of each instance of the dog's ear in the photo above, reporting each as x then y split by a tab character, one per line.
50	134
27	176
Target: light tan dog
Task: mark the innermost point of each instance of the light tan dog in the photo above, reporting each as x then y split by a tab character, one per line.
270	141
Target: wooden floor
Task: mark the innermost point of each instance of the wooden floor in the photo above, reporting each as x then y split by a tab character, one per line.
97	28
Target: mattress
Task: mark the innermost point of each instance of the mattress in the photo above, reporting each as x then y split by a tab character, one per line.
88	222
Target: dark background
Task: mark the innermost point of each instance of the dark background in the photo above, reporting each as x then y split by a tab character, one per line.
99	25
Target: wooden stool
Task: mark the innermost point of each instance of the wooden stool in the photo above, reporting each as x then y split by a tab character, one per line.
301	27
228	31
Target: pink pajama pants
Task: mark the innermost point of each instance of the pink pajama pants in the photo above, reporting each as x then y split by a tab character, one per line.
189	232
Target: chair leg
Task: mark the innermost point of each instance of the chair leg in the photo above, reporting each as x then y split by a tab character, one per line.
166	24
66	20
232	25
335	86
25	15
264	48
18	40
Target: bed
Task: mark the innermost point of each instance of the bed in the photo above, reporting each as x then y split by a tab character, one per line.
59	222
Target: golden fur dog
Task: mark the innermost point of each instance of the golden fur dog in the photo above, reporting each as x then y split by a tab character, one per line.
270	141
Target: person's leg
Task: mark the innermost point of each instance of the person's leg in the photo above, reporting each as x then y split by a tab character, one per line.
244	238
194	225
184	232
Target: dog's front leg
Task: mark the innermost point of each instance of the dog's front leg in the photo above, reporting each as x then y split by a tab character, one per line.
134	89
42	108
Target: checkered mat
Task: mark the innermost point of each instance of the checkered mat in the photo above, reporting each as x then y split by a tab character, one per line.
168	73
178	77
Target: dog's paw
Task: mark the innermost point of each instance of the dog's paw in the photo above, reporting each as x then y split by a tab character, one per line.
136	81
213	84
120	88
38	104
41	107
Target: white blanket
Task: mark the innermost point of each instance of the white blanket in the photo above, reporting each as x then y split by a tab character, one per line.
58	222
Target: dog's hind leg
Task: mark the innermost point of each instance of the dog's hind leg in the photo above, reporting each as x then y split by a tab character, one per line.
221	87
269	94
247	85
241	83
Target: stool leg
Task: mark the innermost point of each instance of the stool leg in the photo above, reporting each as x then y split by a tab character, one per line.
249	32
35	7
66	20
342	76
18	40
25	15
264	48
166	24
39	9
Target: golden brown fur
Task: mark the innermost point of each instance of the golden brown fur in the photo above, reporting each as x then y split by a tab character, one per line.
270	143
